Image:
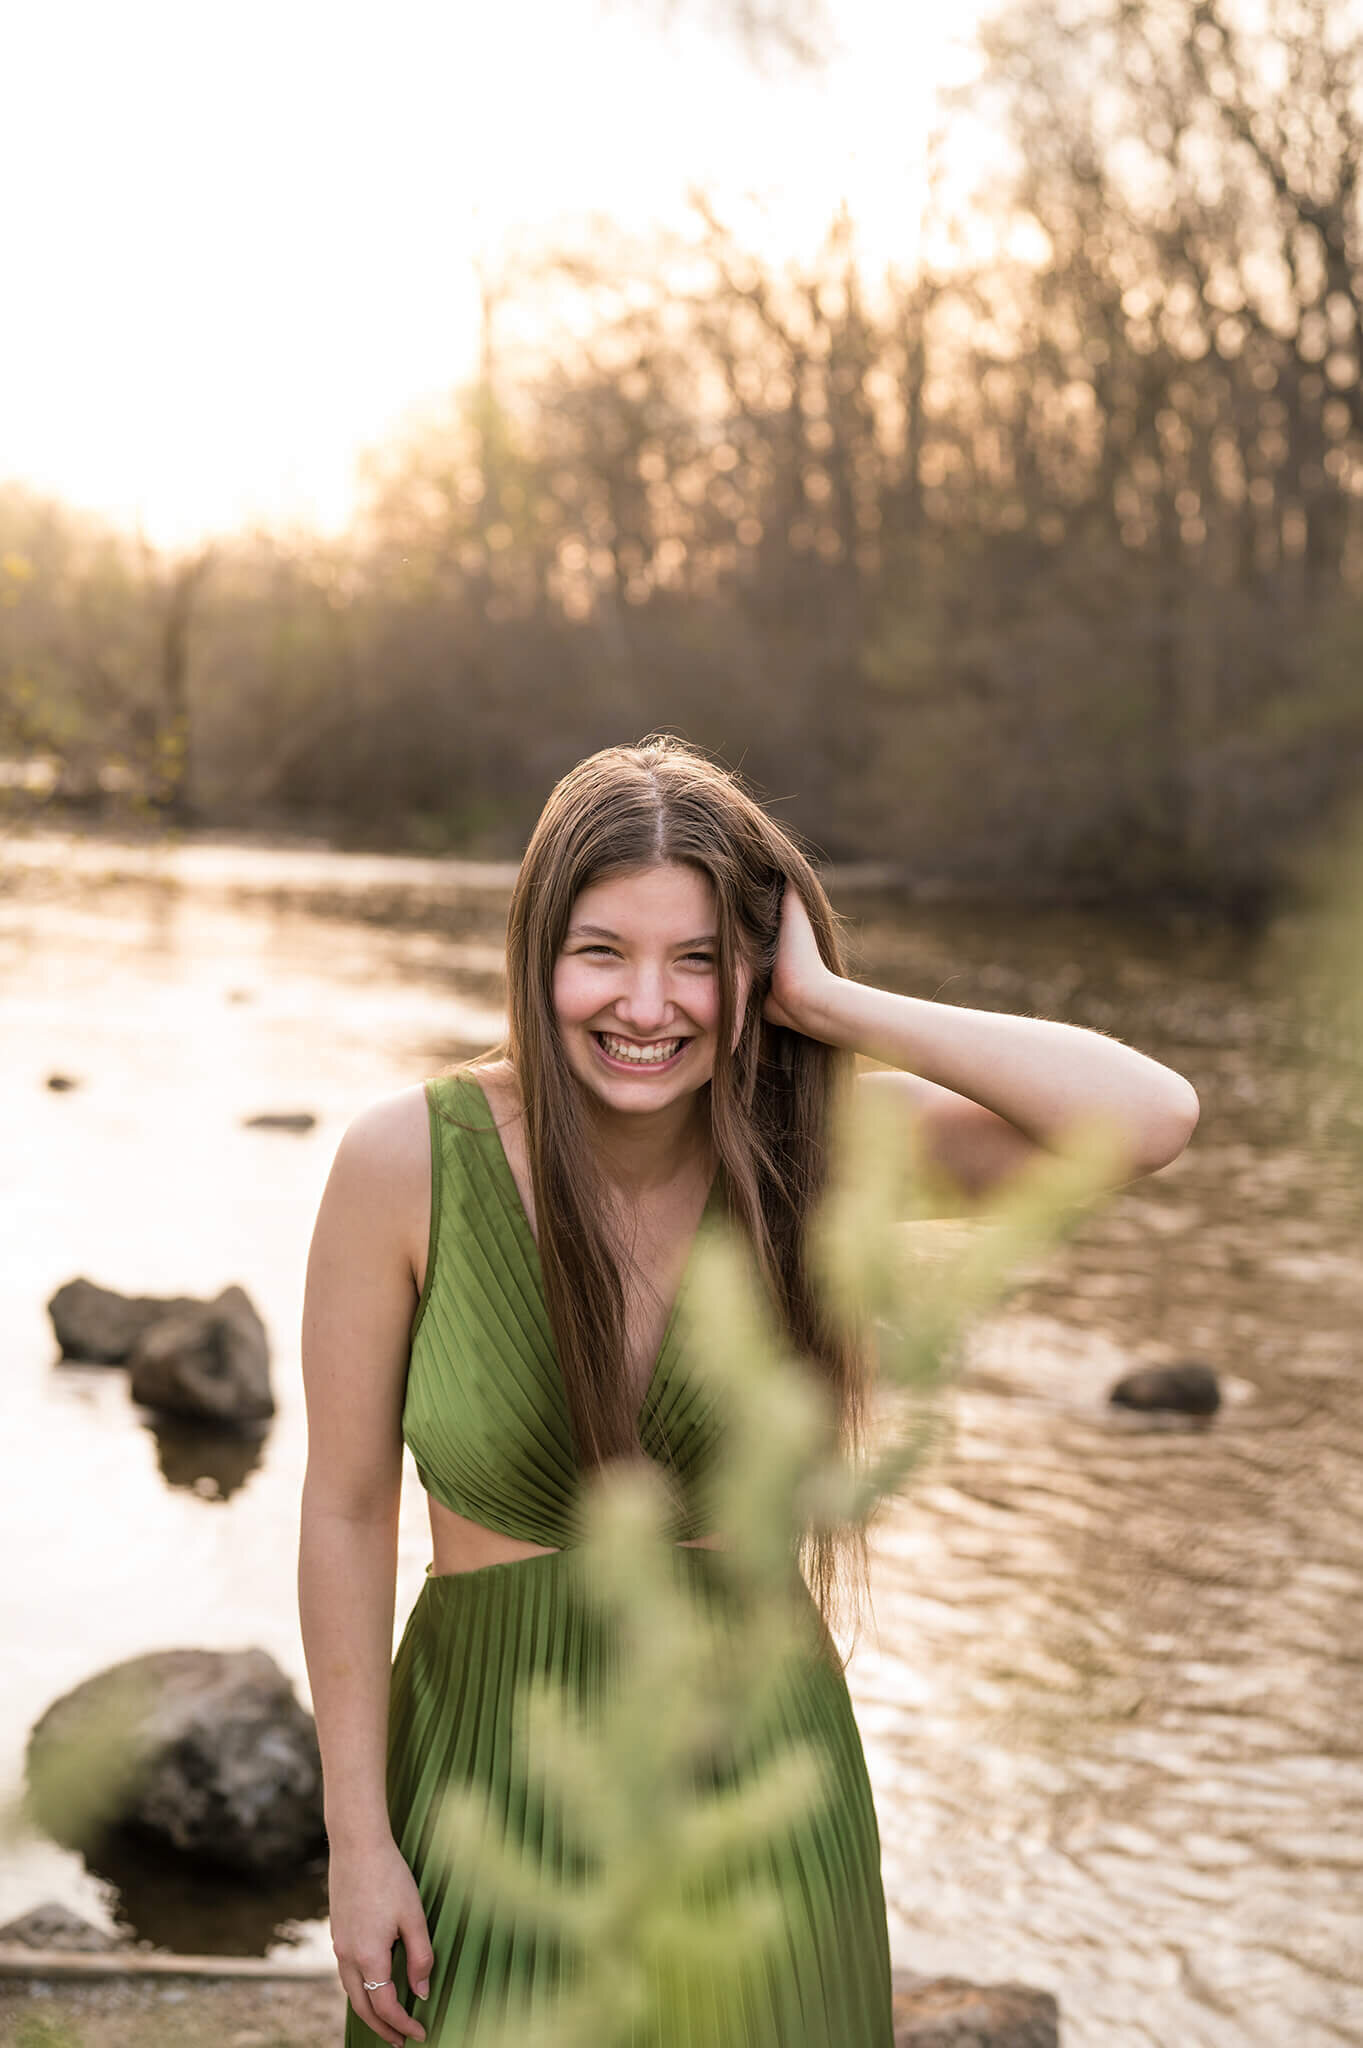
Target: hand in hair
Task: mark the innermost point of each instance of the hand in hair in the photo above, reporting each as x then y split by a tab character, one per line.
988	1092
799	980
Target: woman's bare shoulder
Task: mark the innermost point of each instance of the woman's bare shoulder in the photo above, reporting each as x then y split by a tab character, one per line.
390	1138
378	1193
383	1162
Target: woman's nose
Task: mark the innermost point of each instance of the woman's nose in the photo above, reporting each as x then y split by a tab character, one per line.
643	1003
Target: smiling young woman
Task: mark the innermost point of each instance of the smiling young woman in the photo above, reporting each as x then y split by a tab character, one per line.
493	1279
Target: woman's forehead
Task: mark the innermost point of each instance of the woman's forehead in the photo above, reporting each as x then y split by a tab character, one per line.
646	899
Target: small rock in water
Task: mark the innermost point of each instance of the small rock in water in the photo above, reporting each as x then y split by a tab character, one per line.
207	1360
52	1925
61	1084
210	1361
1189	1389
948	2012
281	1120
206	1753
100	1326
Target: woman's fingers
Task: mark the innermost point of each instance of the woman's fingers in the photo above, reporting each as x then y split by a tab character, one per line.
363	2010
380	2009
416	1947
391	2015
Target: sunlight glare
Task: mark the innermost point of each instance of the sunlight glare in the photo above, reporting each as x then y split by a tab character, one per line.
244	242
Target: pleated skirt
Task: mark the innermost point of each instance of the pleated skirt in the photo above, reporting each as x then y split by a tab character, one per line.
470	1644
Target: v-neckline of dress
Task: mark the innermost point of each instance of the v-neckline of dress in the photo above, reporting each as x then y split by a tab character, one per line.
530	1245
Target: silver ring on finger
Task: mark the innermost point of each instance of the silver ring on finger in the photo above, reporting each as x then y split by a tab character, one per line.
382	1984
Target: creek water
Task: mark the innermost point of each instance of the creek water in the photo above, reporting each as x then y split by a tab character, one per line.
1111	1692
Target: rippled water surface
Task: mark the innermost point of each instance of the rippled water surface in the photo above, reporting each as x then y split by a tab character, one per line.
1112	1696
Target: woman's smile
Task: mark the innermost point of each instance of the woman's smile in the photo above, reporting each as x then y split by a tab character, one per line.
630	1055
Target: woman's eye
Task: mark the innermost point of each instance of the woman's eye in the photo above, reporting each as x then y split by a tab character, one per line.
706	959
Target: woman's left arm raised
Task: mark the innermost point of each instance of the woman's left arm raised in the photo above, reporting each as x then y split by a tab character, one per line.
988	1092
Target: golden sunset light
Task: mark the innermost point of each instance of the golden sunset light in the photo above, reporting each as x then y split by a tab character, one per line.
241	243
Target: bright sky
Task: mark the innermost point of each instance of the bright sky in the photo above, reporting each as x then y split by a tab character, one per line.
239	241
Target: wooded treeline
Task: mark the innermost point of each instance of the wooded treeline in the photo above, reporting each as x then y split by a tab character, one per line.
1043	565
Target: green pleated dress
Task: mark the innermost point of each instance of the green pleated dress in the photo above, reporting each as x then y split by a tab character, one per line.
486	1419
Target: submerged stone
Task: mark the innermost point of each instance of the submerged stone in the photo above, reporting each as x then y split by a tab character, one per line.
950	2012
54	1926
1188	1389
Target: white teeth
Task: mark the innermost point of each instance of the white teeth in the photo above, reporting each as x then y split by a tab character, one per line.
650	1056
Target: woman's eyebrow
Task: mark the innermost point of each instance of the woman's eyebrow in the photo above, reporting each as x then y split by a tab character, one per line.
598	931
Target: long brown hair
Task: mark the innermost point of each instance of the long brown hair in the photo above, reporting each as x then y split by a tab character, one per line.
771	1099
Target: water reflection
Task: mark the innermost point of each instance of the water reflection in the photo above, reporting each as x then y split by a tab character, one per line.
212	1464
178	1906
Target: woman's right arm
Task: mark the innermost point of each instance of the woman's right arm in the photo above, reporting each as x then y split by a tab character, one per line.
360	1299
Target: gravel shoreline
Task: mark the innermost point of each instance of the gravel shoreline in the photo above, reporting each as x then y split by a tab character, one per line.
170	2013
309	2012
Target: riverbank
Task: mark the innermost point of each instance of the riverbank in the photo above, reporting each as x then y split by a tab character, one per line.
135	845
126	2012
309	2012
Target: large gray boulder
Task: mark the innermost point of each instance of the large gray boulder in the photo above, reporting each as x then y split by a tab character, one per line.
949	2012
208	1360
101	1327
206	1753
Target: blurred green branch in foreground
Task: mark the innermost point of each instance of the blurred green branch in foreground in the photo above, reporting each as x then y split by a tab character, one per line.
668	1866
81	1776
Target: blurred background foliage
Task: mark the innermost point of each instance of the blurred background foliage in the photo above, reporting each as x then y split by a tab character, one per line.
1039	567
